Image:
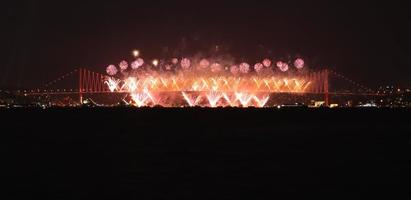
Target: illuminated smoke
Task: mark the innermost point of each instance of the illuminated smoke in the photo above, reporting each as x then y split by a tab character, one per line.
267	62
185	63
258	67
174	61
168	67
204	63
299	63
244	68
123	65
111	70
215	67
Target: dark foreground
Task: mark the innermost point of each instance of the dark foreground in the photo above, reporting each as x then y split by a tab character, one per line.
202	153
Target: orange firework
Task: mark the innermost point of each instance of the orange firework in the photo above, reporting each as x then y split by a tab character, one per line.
220	85
216	90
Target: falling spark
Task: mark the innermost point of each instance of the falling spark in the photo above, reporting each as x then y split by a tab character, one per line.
261	101
244	98
191	101
213	97
140	99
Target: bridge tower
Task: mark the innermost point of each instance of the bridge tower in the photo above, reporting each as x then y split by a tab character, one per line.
326	89
80	89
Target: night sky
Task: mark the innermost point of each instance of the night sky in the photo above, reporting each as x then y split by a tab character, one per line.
368	42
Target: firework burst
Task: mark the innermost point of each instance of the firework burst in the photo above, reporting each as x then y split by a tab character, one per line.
210	82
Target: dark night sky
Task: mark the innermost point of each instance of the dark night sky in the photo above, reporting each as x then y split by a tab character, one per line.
368	42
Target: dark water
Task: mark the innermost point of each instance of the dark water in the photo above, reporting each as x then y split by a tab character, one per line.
203	154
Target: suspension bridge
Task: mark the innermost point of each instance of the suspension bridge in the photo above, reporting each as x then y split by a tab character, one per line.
83	82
